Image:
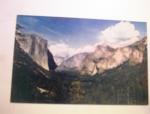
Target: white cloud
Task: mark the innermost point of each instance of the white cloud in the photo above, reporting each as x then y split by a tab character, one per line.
64	50
119	35
61	49
86	48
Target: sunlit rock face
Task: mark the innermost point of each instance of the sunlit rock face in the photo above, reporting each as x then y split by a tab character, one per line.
35	47
110	59
104	58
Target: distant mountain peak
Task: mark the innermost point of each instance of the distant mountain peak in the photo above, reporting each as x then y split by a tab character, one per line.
72	63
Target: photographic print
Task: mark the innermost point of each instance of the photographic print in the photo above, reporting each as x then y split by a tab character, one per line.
59	60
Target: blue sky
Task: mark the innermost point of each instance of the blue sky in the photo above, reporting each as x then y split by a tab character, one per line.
75	32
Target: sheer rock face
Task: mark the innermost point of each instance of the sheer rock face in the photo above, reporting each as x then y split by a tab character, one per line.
51	63
104	58
35	47
99	62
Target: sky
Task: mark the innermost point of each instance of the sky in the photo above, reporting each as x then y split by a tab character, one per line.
67	36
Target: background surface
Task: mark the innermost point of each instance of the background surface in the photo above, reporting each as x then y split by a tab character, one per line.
132	10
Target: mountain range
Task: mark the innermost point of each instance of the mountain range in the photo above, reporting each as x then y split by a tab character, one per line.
104	58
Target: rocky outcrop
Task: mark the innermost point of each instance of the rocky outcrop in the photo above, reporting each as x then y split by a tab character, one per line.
36	47
105	58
